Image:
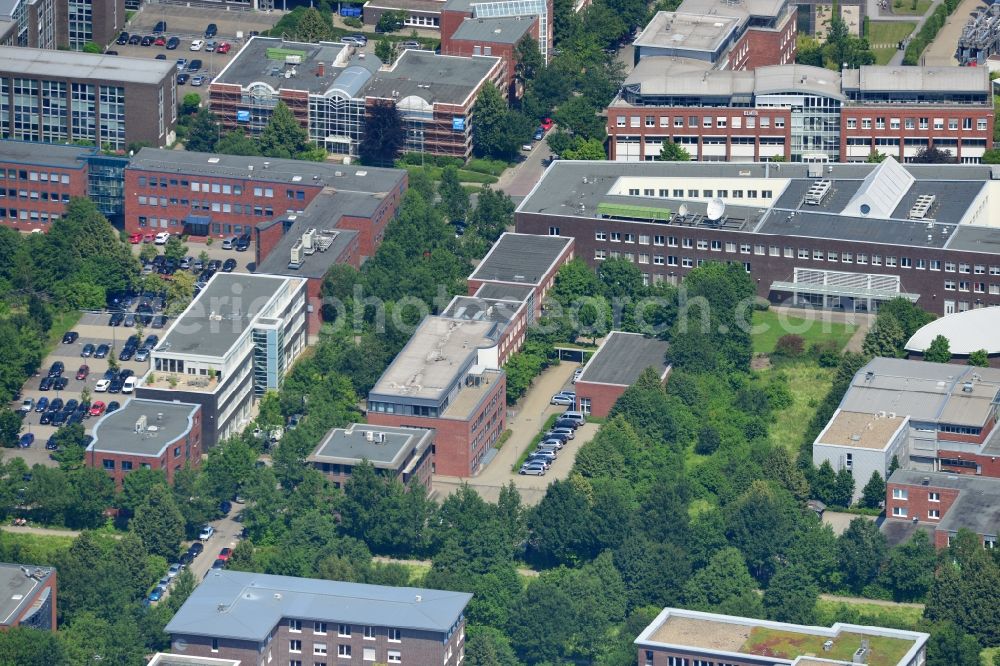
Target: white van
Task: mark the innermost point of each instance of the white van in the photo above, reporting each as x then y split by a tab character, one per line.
574	416
129	385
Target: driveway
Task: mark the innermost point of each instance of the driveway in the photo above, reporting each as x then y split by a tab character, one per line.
532	412
518	181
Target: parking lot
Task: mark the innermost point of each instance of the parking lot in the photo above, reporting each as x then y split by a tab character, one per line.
244	260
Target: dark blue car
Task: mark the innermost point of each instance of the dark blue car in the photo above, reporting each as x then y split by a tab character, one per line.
27	439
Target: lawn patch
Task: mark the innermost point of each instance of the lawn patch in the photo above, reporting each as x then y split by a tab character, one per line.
769	325
883	651
808	383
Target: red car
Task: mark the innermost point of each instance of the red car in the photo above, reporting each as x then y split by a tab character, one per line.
135	239
148	238
83	372
160	41
547	124
97	408
224	554
223	47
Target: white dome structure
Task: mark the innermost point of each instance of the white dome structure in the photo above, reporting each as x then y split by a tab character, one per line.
966	332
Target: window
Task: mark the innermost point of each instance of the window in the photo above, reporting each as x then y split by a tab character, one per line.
658	240
295	625
369	633
629	238
949	285
319	628
899	511
344	651
900	493
730	246
981	124
319	648
394	657
963	268
852	123
395	636
215	645
344	630
616	237
934	514
295	645
109	464
368	654
553	231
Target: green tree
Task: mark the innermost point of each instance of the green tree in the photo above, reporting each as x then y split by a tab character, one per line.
391	21
190	104
950	646
874	492
979	358
237	142
148	252
180	291
93	493
909	569
939	350
159	523
561	528
843	488
862	552
384	135
991	156
933	155
284	136
175	248
454	198
494	213
672	152
590	149
21	646
724	586
497	131
385	50
486	646
10	427
886	338
528	59
580	116
137	485
203	132
791	595
875	157
313	27
965	589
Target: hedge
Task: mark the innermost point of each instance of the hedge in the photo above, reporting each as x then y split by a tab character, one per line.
928	32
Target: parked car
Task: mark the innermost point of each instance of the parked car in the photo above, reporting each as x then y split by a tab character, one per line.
211	30
539	134
156	594
562	399
135	239
228	243
197	80
27	406
545	462
83	371
102	350
113	406
411	45
198	45
566	423
50	444
532	469
206	533
159	321
576	417
129	384
56	405
97	408
160	41
242	243
569	433
547	124
134	40
225	506
70	338
45	384
161	27
219	564
544	453
42	404
27	439
223	48
56	369
173	43
194	66
209	46
185	264
577	374
46	418
196	548
122	38
162	238
229	266
150	342
87	351
71	405
182	79
174	570
147	40
225	553
59	383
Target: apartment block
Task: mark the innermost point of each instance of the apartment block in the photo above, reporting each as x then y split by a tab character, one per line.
402	454
262	619
447	377
616	365
798	113
932	417
942	503
332	87
838	236
110	101
146	434
234	342
30	597
680	637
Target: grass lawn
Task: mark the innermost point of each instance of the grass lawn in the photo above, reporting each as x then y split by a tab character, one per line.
987	655
772	325
828	611
790	644
808	384
887	33
464	175
35	548
909	7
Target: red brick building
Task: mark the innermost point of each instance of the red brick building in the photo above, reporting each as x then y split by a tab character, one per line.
402	454
618	363
147	434
944	503
746	116
30	595
489	37
37	180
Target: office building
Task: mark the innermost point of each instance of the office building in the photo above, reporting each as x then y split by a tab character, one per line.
841	236
61	96
234	342
146	434
680	637
330	88
402	454
798	113
261	619
52	24
37	181
492	37
941	503
616	365
447	377
966	332
29	598
929	416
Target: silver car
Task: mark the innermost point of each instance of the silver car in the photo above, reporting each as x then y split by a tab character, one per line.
532	469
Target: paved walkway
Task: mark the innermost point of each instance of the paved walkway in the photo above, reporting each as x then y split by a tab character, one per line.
941	51
874	602
876	13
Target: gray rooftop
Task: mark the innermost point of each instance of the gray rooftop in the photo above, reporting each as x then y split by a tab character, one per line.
436	79
929	392
18	589
388	448
342	178
248	606
502	30
54	64
693	32
166	422
623	357
504	292
887	78
521	258
473	308
167	659
976	239
220	314
323	214
44	154
977	507
752	7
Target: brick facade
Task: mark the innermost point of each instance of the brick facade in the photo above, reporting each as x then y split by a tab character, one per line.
758	47
927	504
467	47
28	202
602	397
902	131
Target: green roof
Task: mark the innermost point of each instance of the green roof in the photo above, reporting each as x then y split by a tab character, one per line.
276	53
884	650
636	212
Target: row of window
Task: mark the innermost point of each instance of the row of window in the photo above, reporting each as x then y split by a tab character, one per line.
684	661
658	260
977	287
678	193
212	206
923	123
27	215
393	657
719	122
34	195
904	494
34	176
344	630
901	512
218	188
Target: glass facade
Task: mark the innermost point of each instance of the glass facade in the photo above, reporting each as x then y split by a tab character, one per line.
520	8
112	117
55	122
81	23
83	111
815	124
27	110
336	123
106	183
259	101
268	358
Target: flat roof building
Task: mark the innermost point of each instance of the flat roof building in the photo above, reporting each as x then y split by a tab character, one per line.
146	434
234	342
494	36
29	171
170	659
843	236
684	634
29	596
403	454
241	615
59	24
116	100
329	87
615	366
943	503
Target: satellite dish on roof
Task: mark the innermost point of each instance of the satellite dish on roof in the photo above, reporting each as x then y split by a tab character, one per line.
683	210
716	209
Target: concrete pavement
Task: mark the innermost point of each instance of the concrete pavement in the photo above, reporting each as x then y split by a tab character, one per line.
518	181
941	51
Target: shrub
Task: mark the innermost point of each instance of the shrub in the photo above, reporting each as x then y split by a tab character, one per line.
790	346
353	22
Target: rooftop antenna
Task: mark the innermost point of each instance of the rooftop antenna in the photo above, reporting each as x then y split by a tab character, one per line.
716	209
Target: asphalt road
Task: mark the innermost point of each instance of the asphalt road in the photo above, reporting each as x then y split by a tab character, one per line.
518	181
